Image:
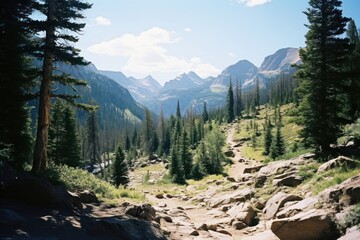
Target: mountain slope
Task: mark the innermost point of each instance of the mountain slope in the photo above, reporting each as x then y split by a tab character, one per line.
184	81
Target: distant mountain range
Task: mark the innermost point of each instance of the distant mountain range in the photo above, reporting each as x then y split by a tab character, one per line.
192	90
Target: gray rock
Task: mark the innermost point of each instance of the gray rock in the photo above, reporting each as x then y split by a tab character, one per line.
243	212
289	181
126	229
253	169
301	206
274	204
311	225
340	161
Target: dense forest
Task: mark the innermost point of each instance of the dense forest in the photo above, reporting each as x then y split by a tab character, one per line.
324	91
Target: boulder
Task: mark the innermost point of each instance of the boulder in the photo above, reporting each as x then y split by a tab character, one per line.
159	195
311	225
274	204
340	161
125	229
289	181
88	196
259	181
153	157
229	153
253	169
348	190
301	206
236	196
243	212
144	212
231	179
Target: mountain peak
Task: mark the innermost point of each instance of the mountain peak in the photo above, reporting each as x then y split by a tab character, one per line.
280	60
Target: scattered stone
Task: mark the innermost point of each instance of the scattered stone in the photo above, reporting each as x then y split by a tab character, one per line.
223	231
236	196
313	224
308	156
159	195
276	202
231	179
340	161
153	157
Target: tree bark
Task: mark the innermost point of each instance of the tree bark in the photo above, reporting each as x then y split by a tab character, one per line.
40	158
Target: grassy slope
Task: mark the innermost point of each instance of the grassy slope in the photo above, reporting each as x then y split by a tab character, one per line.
289	131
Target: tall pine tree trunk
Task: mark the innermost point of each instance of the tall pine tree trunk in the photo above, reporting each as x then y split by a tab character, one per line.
40	160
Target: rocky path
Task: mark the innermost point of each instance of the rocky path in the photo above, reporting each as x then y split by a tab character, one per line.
201	215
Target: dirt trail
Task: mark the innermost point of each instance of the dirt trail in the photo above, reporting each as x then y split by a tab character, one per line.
198	213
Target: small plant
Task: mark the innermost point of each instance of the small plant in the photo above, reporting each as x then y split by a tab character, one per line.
308	171
146	177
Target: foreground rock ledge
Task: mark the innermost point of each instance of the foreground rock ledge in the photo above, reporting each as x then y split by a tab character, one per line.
311	225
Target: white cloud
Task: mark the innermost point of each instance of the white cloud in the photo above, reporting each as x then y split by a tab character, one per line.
146	54
187	29
253	3
102	21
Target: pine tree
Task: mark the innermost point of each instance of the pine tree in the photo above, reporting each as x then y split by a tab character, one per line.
278	146
256	95
321	73
205	114
353	87
267	138
148	133
15	79
178	113
238	100
93	138
176	165
230	104
61	17
185	154
55	132
71	153
120	171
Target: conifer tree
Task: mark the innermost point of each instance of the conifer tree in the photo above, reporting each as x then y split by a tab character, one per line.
256	95
176	164
120	171
185	154
55	132
321	73
71	153
267	137
15	79
238	100
353	87
278	146
148	133
61	18
230	104
205	114
93	138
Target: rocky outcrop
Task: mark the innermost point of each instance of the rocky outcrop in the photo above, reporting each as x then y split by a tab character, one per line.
337	162
351	234
144	211
274	204
236	196
243	212
300	206
126	229
346	193
311	225
88	196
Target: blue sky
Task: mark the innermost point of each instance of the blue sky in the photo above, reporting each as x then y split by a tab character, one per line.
165	38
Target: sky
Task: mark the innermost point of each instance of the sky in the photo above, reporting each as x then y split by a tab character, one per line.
165	38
